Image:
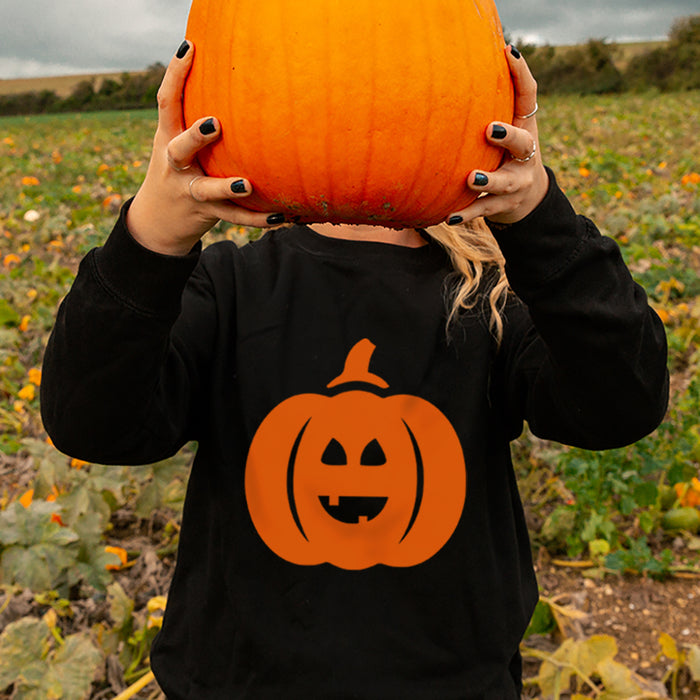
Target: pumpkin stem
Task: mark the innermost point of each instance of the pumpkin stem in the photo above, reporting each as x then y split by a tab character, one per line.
357	366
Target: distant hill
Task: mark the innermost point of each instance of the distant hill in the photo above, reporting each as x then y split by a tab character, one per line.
62	85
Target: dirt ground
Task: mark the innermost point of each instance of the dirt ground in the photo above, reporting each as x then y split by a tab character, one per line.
633	610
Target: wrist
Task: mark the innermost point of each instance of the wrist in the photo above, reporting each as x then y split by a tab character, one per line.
148	231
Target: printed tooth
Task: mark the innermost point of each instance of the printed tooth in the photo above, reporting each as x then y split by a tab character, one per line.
333	501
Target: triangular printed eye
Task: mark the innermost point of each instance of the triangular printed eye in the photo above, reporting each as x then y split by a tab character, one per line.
373	455
334	454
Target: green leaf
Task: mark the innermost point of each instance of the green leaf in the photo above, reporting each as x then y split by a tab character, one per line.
26	568
8	316
598	548
38	551
166	486
646	493
149	500
74	666
20	525
84	499
39	567
109	479
558	524
23	646
26	660
542	621
52	466
121	607
647	521
29	526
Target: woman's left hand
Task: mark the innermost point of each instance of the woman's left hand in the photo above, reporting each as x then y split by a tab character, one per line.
511	192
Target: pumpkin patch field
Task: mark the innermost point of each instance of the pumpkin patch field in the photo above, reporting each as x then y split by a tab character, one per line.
87	551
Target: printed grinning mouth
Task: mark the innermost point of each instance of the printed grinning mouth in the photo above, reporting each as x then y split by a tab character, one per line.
353	509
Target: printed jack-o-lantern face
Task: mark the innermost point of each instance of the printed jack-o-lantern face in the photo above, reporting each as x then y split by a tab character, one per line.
355	479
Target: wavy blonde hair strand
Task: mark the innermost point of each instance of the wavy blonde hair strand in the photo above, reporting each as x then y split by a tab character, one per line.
477	260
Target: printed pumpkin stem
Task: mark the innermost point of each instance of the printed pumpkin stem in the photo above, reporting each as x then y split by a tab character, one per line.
357	366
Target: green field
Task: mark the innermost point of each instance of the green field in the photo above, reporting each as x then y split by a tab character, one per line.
631	163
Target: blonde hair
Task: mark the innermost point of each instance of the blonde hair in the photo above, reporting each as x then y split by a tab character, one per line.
480	274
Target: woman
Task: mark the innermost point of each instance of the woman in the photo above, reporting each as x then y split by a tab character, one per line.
352	527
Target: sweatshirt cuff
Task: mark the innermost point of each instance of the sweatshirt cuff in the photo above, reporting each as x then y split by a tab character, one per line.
543	244
148	282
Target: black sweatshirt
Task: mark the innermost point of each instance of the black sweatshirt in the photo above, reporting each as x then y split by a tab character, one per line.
352	526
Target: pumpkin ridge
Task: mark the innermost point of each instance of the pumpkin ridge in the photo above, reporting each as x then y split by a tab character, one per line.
327	196
303	190
453	171
370	141
412	193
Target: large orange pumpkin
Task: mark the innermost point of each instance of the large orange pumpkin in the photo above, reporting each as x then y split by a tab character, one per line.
356	478
356	111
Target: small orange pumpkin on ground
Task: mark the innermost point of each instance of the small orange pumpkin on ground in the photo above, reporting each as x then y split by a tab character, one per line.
357	111
355	478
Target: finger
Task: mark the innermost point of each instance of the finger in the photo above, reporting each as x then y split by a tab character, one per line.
520	143
183	148
232	214
170	119
523	81
213	191
216	189
490	207
504	181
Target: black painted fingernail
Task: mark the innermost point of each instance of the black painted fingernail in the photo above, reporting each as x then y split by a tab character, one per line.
498	132
208	127
238	187
182	51
514	52
481	180
275	219
454	220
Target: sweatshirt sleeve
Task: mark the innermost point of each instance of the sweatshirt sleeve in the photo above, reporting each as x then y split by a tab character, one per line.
117	382
583	359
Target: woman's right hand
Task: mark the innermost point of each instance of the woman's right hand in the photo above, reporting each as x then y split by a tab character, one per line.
177	203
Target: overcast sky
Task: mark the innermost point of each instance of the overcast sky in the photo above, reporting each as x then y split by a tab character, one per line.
45	37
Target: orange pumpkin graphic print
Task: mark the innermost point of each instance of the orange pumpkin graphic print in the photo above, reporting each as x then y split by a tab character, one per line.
355	478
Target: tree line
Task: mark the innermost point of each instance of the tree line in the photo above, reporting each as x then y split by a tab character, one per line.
591	68
130	91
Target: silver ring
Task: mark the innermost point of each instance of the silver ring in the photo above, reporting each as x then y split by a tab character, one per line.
192	181
171	163
527	116
527	158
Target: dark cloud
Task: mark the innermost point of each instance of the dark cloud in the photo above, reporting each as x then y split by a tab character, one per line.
42	37
568	22
128	35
